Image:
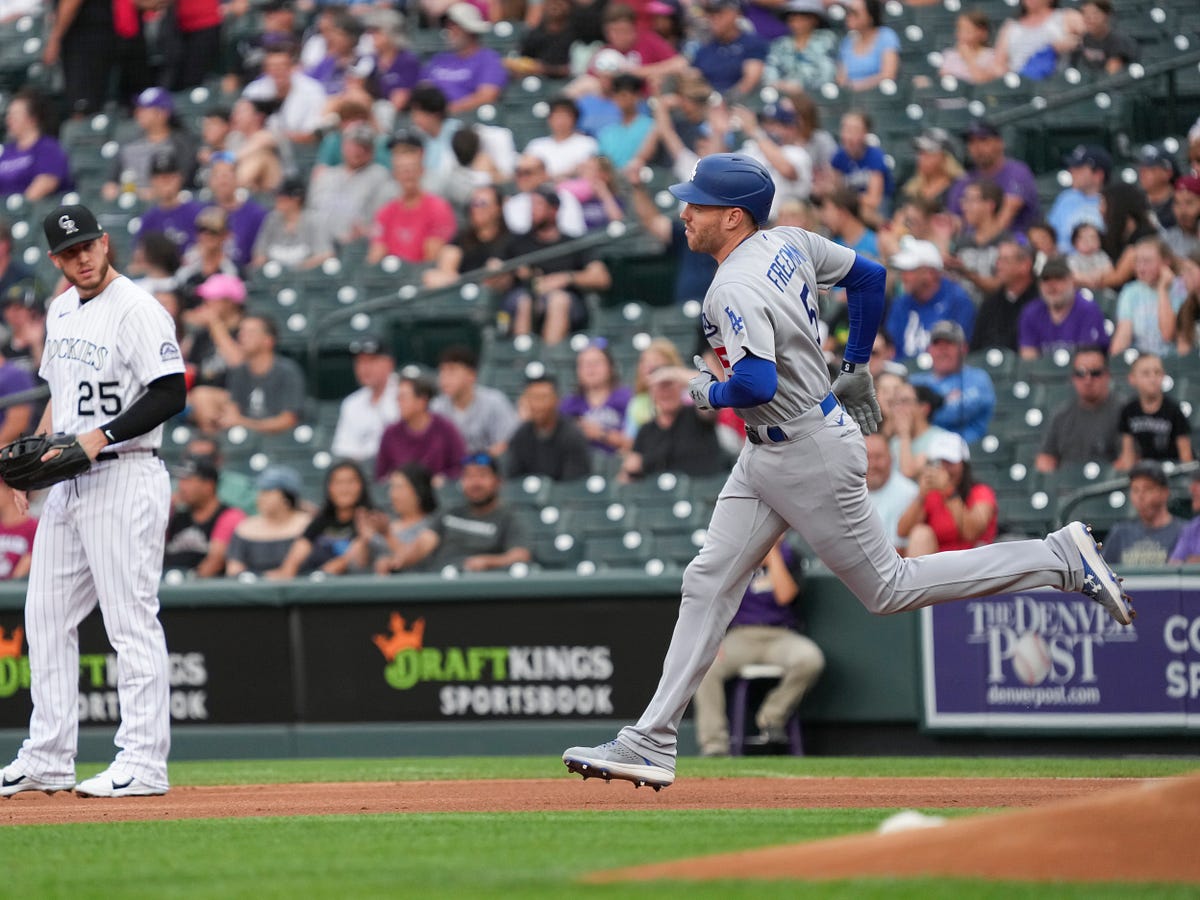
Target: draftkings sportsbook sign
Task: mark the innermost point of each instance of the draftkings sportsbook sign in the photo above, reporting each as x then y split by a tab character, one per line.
1046	659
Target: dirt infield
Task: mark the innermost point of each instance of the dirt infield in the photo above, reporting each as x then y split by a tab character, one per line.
1139	833
557	794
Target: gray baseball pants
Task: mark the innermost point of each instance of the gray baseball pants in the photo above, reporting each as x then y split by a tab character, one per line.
815	483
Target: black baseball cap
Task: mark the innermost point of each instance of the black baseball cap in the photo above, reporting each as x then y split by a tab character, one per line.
198	467
67	226
164	162
369	344
1152	469
548	192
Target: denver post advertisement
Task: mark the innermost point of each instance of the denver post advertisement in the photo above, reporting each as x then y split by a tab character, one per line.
1046	659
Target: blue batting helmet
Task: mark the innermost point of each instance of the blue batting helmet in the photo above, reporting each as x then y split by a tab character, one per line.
729	179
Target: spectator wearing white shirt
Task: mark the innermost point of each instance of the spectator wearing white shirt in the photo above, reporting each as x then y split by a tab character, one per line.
365	413
518	209
301	99
565	148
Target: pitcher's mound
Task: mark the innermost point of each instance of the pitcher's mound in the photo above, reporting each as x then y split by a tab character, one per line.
1146	832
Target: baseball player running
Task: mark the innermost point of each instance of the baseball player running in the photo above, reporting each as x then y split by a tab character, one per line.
115	375
804	464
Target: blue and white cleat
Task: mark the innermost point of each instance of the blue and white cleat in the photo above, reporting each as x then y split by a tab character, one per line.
615	760
1100	582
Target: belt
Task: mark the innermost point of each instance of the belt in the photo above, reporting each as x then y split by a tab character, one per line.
776	434
105	455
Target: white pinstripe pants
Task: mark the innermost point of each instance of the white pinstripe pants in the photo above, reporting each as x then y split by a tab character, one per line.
100	540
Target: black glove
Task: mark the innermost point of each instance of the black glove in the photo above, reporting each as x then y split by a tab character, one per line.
22	469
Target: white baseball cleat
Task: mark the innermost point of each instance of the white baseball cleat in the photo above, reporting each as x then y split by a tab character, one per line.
115	784
13	781
615	760
1100	582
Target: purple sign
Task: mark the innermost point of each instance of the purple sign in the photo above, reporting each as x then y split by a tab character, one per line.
1046	659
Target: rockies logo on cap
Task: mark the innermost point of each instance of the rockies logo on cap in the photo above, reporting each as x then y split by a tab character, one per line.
70	225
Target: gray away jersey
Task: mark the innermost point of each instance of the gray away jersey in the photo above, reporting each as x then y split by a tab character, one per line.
763	301
101	355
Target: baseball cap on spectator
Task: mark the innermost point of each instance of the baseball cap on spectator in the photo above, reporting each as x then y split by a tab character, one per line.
481	459
658	8
23	294
467	17
1089	155
155	98
981	129
1153	156
222	287
293	186
934	140
274	5
811	7
368	345
1189	183
917	255
782	112
947	330
1056	267
949	448
164	162
280	478
360	133
197	467
715	5
406	138
548	192
1152	469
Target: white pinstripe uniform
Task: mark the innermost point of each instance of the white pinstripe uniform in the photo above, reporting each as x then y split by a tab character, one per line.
100	537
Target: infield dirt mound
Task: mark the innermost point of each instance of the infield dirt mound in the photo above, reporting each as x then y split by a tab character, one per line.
557	794
1145	832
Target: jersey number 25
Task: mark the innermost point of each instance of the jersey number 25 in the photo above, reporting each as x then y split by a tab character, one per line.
103	393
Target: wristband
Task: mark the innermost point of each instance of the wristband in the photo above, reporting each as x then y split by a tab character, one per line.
848	367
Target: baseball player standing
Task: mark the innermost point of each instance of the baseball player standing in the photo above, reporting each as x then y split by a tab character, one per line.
115	375
804	464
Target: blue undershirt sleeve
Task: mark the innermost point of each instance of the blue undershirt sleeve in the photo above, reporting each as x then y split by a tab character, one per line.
752	383
866	298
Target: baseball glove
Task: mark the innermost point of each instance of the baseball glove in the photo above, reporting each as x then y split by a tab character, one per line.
22	469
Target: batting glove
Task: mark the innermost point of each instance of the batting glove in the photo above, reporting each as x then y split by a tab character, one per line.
699	386
856	392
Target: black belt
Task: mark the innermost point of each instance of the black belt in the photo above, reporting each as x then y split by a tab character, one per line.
105	455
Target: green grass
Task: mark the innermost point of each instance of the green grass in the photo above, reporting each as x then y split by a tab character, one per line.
531	855
536	855
426	769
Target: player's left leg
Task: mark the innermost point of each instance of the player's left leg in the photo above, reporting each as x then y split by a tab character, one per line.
123	532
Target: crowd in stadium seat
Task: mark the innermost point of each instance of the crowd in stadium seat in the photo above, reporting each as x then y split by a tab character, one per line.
263	166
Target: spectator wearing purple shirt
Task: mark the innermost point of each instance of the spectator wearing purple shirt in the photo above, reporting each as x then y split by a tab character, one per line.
1061	317
397	69
599	401
31	162
929	297
171	215
420	436
469	74
244	217
763	630
1021	206
14	420
341	42
1187	548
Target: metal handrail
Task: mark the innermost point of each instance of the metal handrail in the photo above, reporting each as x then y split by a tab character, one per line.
411	294
1068	503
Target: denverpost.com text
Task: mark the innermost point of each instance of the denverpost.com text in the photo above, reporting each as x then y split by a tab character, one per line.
1056	695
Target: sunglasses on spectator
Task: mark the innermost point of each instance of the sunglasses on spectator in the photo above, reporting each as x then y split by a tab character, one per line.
211	230
1089	373
481	203
521	172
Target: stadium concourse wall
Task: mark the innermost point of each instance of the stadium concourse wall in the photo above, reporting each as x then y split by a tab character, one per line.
488	664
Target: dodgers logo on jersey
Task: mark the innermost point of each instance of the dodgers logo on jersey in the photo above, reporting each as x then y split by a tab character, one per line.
736	322
168	350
